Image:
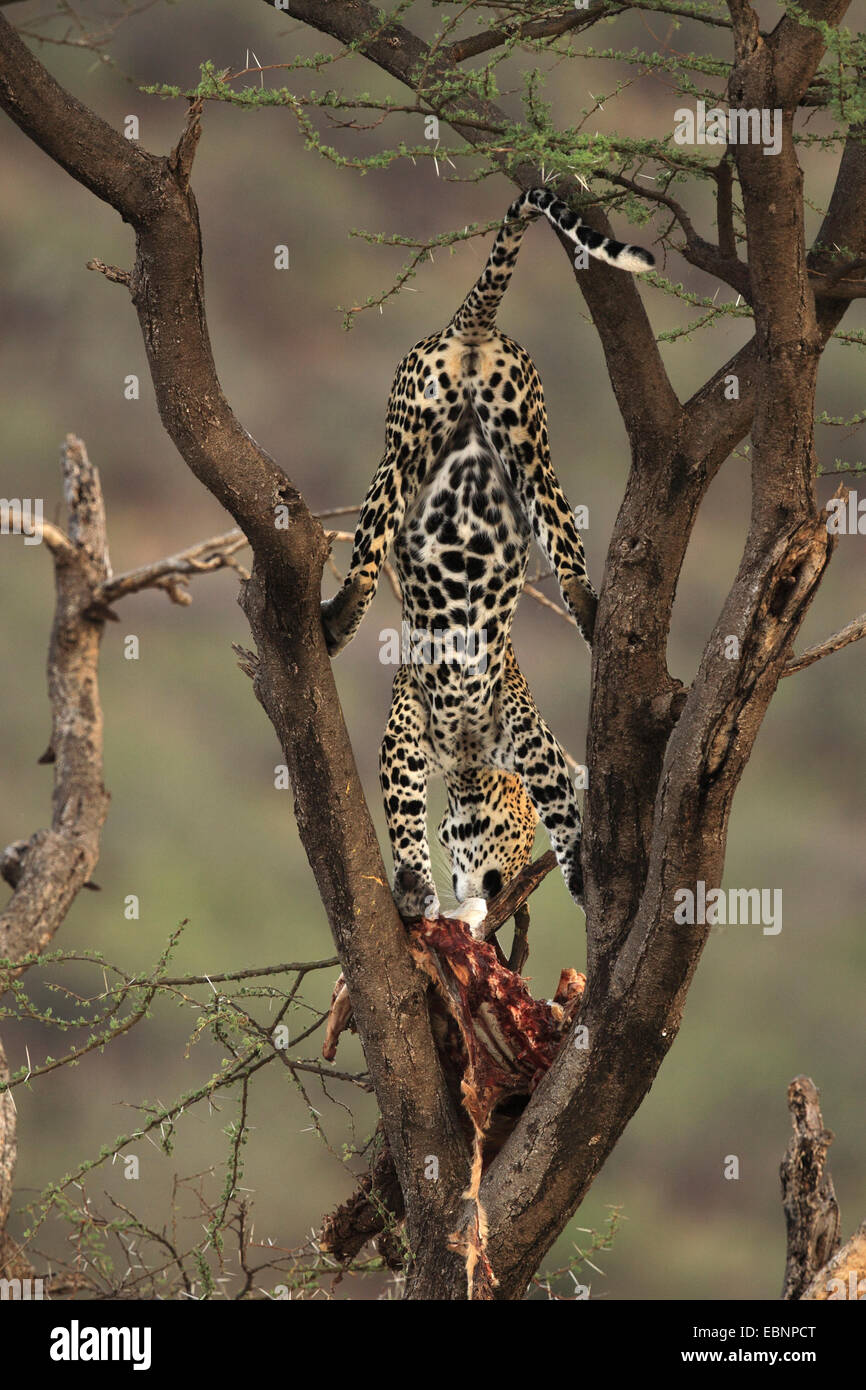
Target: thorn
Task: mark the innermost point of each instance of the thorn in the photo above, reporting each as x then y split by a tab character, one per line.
111	272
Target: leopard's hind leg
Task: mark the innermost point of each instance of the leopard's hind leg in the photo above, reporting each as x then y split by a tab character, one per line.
526	746
406	760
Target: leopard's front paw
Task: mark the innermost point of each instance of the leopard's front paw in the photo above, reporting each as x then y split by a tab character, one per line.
415	896
335	641
342	614
574	882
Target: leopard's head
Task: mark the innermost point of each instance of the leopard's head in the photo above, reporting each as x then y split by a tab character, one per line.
487	831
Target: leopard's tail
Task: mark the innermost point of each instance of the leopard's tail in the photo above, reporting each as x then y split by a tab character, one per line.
476	316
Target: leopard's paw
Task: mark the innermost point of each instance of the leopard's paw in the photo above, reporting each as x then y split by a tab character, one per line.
415	896
342	614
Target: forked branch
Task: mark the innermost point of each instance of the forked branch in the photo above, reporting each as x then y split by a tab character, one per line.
292	676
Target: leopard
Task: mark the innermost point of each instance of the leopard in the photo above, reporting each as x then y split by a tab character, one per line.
464	486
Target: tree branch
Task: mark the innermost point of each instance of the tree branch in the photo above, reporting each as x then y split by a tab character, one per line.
553	27
58	862
293	678
811	1209
698	252
640	383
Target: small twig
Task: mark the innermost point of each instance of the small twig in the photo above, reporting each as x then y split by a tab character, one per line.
548	603
393	580
697	251
847	268
181	158
725	208
360	1079
302	968
852	633
554	28
111	272
174	570
205	557
656	196
337	511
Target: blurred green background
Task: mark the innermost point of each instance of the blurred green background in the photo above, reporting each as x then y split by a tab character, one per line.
197	829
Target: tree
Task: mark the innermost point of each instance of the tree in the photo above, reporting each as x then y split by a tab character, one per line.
665	759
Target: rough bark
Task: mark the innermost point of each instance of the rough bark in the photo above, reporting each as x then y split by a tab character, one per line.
55	863
808	1196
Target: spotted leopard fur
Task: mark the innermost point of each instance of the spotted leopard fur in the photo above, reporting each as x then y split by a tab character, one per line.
465	483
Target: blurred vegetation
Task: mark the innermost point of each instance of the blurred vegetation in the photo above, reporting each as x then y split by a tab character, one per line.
197	829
